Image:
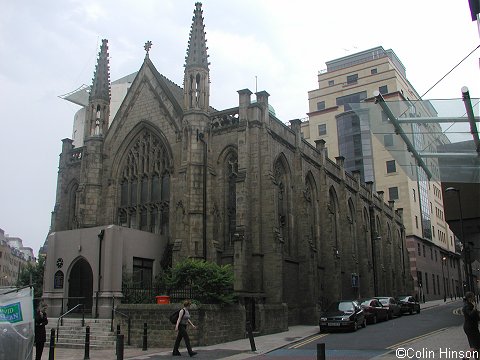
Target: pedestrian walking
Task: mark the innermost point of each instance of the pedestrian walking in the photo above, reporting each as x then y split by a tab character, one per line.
40	334
181	328
470	324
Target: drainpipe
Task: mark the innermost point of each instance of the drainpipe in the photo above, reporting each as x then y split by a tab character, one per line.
100	238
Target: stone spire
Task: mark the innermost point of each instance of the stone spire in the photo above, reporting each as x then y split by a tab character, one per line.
196	82
197	44
101	77
98	112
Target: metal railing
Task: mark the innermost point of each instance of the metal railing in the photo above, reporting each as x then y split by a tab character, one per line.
60	319
136	295
122	314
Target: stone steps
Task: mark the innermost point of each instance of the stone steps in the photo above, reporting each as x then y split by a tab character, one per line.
72	334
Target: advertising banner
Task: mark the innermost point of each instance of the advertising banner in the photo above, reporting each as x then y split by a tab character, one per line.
16	324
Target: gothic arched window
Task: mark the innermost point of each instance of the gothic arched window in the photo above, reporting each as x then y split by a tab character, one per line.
145	185
282	204
333	212
311	209
231	172
352	224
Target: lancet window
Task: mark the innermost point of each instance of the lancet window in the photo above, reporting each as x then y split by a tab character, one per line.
231	173
282	205
145	185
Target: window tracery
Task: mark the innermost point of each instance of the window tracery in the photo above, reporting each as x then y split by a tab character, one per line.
145	185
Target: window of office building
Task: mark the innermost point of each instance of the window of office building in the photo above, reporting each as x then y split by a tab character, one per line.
331	82
321	105
388	140
351	79
373	71
393	193
351	99
391	167
419	250
383	89
322	129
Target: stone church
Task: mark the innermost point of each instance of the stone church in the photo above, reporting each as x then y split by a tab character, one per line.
171	177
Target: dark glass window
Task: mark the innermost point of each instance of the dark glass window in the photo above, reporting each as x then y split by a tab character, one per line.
331	82
393	193
142	273
373	71
321	105
391	166
322	129
383	89
351	99
388	140
352	79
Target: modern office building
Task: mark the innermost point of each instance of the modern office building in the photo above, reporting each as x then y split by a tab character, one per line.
343	112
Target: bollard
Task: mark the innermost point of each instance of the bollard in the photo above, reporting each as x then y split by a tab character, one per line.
120	339
118	333
321	351
87	343
51	352
128	330
250	337
144	348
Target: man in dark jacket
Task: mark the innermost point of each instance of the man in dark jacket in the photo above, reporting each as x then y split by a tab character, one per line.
40	334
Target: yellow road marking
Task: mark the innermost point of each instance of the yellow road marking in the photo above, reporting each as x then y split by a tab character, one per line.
305	342
415	338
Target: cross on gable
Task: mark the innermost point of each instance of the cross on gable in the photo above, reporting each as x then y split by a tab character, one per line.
148	46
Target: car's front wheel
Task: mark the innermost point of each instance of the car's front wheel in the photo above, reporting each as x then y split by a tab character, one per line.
364	323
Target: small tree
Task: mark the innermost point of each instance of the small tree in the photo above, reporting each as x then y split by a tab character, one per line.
33	271
212	282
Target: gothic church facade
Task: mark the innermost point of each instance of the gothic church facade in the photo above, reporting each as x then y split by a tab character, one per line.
173	178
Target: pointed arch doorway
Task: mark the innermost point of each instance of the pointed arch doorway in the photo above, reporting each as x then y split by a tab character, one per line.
80	286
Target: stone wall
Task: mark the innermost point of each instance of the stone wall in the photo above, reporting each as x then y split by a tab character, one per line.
215	323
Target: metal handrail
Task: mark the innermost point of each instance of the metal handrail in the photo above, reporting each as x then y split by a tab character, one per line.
121	313
69	311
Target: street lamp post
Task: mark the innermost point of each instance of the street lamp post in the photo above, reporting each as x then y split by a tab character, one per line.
462	240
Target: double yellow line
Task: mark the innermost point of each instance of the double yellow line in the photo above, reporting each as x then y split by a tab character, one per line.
307	341
415	338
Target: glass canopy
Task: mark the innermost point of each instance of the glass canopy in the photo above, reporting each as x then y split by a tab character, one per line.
439	137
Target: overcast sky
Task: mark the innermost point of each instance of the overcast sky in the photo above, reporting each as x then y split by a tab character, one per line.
49	48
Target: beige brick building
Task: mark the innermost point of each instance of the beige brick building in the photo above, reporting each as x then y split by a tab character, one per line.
13	258
370	146
171	177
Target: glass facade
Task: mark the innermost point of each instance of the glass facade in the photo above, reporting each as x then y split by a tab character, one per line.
354	143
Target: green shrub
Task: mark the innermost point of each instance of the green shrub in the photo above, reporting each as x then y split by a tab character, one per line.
211	282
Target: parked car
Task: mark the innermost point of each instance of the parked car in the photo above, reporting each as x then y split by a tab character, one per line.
374	310
391	304
408	304
343	315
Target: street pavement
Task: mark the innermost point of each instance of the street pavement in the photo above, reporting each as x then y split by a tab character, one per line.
444	343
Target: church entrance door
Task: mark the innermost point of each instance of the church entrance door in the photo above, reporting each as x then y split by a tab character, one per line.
80	286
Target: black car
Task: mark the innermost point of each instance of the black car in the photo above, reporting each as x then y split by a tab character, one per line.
408	304
343	315
391	304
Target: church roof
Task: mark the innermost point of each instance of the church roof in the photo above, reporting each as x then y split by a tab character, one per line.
197	44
